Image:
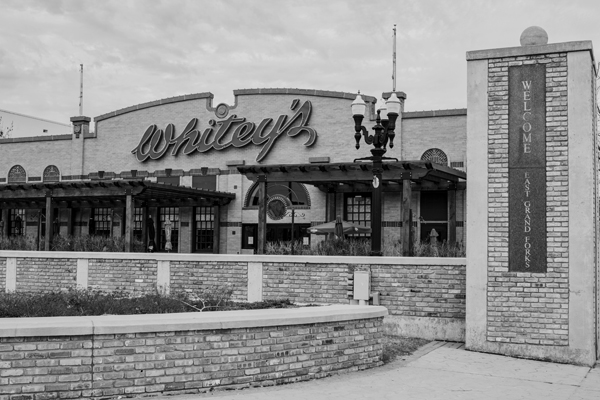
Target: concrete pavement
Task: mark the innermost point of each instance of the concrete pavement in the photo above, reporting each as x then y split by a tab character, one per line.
439	370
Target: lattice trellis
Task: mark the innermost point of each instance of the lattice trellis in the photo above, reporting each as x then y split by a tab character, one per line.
436	156
17	174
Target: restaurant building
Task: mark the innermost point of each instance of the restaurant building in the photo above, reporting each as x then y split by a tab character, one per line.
200	166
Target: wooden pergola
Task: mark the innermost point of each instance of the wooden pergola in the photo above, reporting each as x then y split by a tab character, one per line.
126	194
358	177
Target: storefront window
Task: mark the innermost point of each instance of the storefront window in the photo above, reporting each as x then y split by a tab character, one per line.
138	217
357	209
204	219
100	221
17	222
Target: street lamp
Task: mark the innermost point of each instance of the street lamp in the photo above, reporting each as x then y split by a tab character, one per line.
385	124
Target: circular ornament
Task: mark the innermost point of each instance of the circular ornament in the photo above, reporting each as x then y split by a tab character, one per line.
222	110
276	207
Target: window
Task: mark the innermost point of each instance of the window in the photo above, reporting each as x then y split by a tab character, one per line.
357	209
17	174
17	222
100	221
171	214
51	174
138	222
435	156
295	192
204	229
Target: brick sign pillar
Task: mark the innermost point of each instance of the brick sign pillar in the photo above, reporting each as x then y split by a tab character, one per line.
532	201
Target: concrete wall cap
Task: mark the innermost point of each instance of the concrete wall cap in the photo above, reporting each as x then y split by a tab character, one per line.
238	258
118	324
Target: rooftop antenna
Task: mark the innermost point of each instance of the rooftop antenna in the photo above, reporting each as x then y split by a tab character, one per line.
394	62
81	91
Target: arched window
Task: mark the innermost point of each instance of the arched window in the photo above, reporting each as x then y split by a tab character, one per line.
51	174
295	194
17	174
435	156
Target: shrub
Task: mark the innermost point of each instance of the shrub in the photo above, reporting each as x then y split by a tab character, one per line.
362	247
21	242
79	302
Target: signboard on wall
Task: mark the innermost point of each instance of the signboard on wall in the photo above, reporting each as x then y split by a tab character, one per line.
230	132
527	245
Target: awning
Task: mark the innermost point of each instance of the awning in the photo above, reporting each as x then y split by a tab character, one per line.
358	175
107	193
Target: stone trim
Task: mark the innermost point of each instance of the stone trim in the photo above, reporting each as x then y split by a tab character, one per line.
521	51
302	92
168	100
51	138
434	113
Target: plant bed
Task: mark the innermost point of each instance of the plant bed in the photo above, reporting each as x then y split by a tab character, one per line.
85	302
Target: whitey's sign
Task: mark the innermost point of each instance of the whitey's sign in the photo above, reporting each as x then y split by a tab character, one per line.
232	131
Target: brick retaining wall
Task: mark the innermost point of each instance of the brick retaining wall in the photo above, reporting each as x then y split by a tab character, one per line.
183	353
420	291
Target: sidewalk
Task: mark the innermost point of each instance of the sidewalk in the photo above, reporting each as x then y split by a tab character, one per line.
438	370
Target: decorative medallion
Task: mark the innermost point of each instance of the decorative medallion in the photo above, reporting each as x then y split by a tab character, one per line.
222	110
277	207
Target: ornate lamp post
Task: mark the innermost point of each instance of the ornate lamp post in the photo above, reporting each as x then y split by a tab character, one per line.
384	133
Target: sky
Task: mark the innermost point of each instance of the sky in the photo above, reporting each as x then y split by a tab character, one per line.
139	51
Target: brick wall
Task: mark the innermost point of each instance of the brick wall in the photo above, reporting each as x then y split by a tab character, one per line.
2	273
421	290
527	307
185	361
136	276
39	274
190	276
306	282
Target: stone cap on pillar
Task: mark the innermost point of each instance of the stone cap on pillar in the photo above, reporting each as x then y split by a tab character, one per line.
81	125
534	40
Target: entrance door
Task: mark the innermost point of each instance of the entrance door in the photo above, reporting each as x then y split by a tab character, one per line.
434	215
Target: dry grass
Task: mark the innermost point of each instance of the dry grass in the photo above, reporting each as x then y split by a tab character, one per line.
395	346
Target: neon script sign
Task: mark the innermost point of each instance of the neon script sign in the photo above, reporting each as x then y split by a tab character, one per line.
233	131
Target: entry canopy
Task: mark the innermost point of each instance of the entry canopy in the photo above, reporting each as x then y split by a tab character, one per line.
357	175
107	193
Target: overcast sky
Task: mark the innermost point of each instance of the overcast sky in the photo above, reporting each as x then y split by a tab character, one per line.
139	51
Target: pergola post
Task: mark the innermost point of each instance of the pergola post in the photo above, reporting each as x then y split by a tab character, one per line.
70	220
405	238
452	215
216	228
262	214
129	211
5	223
49	222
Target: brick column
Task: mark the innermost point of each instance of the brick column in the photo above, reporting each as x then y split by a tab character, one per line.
531	201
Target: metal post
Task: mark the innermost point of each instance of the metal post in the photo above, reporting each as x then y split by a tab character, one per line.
293	214
376	209
216	228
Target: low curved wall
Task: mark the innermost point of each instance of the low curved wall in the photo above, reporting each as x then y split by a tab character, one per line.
106	356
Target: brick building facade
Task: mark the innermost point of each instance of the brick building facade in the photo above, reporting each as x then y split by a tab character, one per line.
114	148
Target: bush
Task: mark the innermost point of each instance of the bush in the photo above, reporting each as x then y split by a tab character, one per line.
90	243
80	302
20	242
362	247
